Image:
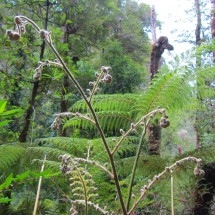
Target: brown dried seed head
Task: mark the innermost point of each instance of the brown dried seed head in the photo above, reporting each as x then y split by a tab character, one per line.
44	34
107	79
8	32
13	35
164	122
37	76
17	20
106	69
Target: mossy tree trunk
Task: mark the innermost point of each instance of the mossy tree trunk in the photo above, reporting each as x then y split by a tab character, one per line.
198	64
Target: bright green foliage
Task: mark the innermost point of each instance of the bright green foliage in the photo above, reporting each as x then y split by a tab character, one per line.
10	155
114	112
5	114
171	89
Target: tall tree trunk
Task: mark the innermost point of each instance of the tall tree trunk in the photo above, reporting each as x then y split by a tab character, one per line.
30	110
199	22
213	23
153	23
198	64
63	102
65	86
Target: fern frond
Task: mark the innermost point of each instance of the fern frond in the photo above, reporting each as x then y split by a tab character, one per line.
81	183
9	155
52	153
113	102
109	121
74	146
147	165
49	163
169	91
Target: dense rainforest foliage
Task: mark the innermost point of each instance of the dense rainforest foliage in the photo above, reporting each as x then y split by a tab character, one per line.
77	104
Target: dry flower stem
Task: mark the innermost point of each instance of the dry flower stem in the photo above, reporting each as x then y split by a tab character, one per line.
38	188
172	192
96	84
96	164
158	177
116	180
132	128
103	211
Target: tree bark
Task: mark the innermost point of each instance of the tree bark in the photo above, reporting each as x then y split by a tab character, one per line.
213	23
153	23
63	102
198	64
65	86
30	110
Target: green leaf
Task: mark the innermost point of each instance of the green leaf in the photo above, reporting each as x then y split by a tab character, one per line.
5	200
5	122
7	182
2	105
22	176
10	113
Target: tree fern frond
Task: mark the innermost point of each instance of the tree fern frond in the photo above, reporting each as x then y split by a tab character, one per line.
109	121
51	153
168	90
74	146
10	155
48	163
114	102
128	149
81	182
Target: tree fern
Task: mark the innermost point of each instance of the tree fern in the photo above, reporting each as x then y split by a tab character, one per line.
167	90
108	102
10	155
74	146
109	121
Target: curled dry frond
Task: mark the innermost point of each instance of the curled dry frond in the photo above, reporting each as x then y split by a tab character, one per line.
164	122
197	171
81	182
38	71
20	29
